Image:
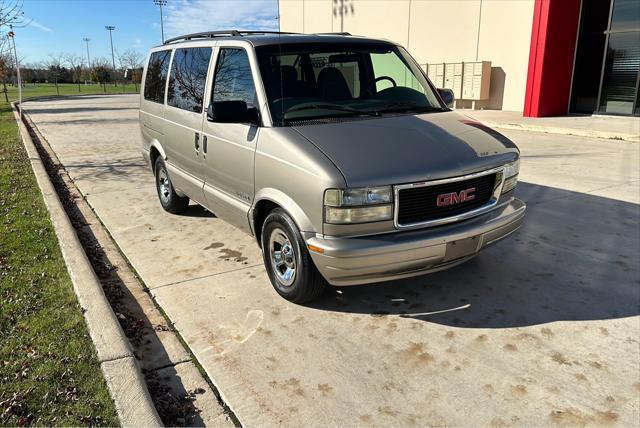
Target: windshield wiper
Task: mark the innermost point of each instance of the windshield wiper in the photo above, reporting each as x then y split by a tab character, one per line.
328	106
402	106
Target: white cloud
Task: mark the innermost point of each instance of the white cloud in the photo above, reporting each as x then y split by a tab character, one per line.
36	24
190	16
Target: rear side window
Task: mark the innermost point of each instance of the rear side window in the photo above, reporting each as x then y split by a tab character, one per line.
188	78
156	79
233	81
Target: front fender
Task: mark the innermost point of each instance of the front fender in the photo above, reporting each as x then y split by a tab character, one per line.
280	198
156	144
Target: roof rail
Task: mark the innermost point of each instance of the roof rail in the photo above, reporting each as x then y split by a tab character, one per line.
222	33
338	33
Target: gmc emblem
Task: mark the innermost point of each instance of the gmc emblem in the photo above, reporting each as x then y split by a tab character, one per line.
447	199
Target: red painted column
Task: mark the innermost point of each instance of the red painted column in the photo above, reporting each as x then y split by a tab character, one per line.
553	44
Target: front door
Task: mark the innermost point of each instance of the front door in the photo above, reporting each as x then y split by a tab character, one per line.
230	147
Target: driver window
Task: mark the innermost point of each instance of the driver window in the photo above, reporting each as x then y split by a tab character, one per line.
388	65
233	80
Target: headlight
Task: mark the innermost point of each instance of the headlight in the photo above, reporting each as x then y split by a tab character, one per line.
358	214
345	206
511	171
355	197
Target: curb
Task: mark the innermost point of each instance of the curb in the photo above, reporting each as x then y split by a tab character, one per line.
117	361
563	131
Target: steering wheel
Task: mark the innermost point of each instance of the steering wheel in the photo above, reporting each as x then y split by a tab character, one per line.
393	82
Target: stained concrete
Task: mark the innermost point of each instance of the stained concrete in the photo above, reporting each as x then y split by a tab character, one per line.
599	126
540	329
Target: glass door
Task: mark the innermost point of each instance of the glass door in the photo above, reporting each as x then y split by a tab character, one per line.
587	70
619	86
607	64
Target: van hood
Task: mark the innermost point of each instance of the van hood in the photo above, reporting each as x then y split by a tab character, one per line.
409	148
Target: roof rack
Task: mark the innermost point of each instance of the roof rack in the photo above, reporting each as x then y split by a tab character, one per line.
223	33
338	33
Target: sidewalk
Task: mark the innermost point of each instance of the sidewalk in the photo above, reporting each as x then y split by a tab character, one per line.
612	127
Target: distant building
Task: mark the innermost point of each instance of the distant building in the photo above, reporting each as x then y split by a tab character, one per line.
548	57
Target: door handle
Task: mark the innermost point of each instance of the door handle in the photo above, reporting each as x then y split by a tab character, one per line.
196	143
204	145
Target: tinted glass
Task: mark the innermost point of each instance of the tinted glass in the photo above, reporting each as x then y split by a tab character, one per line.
188	77
154	83
389	71
626	15
326	81
594	16
346	63
587	71
233	80
621	73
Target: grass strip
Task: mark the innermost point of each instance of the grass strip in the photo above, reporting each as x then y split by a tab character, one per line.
49	371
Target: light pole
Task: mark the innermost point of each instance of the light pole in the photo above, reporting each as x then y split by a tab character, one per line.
87	40
161	3
12	35
110	28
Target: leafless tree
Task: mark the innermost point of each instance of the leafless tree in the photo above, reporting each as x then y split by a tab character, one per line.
11	14
131	59
76	63
55	64
6	66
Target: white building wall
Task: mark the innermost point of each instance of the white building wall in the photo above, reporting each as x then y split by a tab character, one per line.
435	31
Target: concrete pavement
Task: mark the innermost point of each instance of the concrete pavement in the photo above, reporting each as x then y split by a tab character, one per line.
540	329
595	126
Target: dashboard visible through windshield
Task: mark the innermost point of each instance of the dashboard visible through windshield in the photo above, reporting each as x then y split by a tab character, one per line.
321	81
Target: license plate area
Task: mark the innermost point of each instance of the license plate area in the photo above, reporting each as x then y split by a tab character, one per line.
461	248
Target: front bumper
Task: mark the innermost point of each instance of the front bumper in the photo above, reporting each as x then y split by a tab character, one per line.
375	258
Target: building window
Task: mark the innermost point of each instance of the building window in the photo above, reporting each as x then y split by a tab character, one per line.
607	65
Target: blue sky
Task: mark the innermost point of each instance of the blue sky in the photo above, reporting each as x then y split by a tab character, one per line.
58	26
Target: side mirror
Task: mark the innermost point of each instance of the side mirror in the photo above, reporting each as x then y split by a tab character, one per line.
231	112
447	96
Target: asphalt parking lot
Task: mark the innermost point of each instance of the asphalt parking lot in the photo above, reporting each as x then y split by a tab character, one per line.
541	329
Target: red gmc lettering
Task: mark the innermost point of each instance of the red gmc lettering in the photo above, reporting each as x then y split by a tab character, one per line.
446	199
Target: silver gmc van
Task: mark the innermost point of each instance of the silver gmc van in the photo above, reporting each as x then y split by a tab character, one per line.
334	151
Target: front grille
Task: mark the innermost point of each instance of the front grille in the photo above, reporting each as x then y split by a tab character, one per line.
419	204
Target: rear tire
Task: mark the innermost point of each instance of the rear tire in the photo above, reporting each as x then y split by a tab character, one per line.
169	199
287	260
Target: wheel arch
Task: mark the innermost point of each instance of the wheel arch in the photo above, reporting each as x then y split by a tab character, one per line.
155	151
267	200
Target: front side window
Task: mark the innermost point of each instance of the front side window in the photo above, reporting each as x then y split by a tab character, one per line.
233	80
326	81
156	79
188	78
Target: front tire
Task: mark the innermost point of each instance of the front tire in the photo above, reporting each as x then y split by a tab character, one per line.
287	260
169	199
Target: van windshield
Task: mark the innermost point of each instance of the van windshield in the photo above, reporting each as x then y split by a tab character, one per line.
321	81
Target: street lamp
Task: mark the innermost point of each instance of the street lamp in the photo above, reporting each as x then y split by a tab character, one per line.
87	40
110	29
12	35
161	3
